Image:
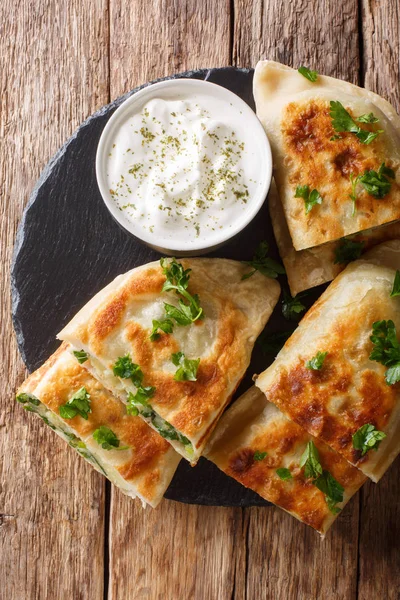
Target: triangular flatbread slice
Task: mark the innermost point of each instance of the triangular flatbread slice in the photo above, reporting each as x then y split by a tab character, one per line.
182	404
261	448
138	461
308	151
324	378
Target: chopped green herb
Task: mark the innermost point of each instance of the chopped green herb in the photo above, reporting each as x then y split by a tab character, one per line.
347	251
342	121
165	325
126	369
81	356
292	307
386	349
376	183
187	369
308	74
284	473
273	343
310	461
315	364
259	455
140	399
370	118
107	439
261	262
79	404
178	280
396	285
25	398
367	437
311	198
332	489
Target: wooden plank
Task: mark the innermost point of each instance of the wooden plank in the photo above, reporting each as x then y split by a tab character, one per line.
53	76
287	560
379	556
175	551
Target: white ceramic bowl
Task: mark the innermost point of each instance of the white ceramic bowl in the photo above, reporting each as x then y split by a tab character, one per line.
174	89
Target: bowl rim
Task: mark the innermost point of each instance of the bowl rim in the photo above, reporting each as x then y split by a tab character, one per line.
148	238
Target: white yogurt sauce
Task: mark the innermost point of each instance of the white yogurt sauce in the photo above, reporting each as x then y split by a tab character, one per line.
183	169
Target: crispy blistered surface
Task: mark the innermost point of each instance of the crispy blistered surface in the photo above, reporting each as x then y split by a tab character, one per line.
349	390
149	459
236	311
255	425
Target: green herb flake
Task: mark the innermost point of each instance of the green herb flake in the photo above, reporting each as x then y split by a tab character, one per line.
292	307
377	184
177	279
347	251
310	461
26	398
262	263
370	118
316	363
308	74
332	489
342	121
284	474
81	356
79	404
126	369
187	369
386	349
259	455
367	437
107	439
165	325
396	285
311	198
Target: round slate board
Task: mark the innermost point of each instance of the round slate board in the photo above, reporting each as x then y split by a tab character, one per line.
68	248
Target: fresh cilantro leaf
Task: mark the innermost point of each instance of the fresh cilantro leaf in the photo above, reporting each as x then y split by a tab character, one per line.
107	439
187	369
25	398
311	198
347	251
78	404
386	349
140	399
178	315
126	369
331	488
165	325
178	280
367	437
259	455
342	121
284	473
292	307
310	461
261	262
315	364
81	356
308	74
273	343
376	183
396	285
370	118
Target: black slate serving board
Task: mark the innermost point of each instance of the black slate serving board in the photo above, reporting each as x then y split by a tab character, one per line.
68	248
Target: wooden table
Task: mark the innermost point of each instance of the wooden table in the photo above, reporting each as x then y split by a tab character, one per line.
60	61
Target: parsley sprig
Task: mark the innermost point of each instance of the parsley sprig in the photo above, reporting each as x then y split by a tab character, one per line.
263	263
107	439
308	74
189	309
292	307
347	251
79	404
141	398
165	325
126	369
376	183
367	438
386	349
342	121
321	478
310	197
187	368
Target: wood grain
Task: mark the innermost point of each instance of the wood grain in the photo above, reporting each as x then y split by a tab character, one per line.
379	555
51	526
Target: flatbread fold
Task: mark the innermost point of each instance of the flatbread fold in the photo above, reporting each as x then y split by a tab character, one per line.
349	390
144	469
254	425
118	322
307	152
